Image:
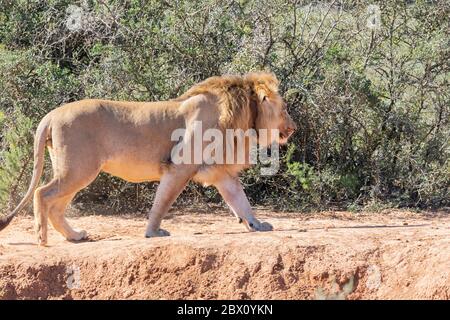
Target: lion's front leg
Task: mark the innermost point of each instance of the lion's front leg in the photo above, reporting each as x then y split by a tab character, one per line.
232	192
170	186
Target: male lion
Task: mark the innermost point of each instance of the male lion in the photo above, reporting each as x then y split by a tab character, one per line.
132	140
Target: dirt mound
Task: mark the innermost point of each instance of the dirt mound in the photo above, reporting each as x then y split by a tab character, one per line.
209	256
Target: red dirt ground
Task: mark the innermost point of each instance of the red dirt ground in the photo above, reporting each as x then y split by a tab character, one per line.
331	255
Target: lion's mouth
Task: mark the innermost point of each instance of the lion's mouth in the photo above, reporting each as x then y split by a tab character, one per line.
284	136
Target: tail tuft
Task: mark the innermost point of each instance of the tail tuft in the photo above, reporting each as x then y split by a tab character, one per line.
5	221
39	151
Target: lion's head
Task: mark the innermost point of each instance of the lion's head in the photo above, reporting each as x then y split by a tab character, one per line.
249	101
271	111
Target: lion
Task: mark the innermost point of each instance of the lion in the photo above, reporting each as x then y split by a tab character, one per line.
132	141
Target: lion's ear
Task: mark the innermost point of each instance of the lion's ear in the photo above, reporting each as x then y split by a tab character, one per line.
263	84
261	95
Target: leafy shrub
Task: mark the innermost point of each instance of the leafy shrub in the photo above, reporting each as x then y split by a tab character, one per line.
372	104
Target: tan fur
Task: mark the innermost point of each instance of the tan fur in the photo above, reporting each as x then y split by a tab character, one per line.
131	140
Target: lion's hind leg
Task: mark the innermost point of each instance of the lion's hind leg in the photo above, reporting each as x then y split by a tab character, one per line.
60	223
52	199
40	210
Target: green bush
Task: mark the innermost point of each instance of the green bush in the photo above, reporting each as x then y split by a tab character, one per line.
372	104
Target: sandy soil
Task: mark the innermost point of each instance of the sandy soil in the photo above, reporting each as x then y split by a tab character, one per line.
331	255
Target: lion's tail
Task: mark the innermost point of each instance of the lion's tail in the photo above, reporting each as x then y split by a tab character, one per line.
40	139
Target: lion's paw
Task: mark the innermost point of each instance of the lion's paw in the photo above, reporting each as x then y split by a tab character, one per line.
78	236
260	226
265	226
157	233
42	242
